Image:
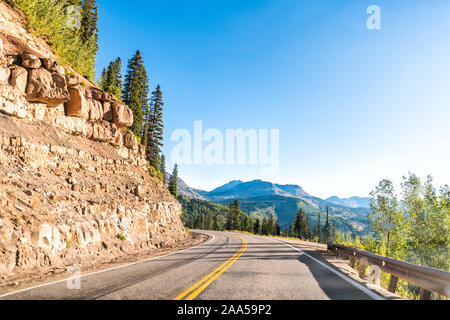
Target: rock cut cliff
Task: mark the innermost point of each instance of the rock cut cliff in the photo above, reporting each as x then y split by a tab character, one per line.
74	184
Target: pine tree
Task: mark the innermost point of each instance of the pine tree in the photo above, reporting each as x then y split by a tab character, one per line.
250	227
327	229
236	215
102	78
173	181
112	78
209	221
291	230
257	227
317	227
216	225
135	91
230	216
202	222
334	233
89	18
155	135
271	225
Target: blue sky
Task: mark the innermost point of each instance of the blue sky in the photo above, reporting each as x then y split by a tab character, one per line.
352	105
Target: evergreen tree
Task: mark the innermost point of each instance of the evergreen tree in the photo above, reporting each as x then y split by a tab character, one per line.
216	225
264	227
257	227
173	181
301	225
135	91
250	227
334	232
201	224
112	78
89	18
102	78
236	215
327	229
277	229
155	128
230	216
291	230
317	227
209	221
271	225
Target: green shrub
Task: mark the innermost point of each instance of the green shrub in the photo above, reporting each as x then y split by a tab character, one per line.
153	172
120	236
48	19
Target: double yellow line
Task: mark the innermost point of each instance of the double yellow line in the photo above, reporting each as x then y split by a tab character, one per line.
197	288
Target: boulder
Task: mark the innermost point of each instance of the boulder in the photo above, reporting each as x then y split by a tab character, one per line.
117	139
30	61
52	65
77	106
101	131
97	95
72	81
4	73
12	101
46	87
95	110
107	111
18	78
130	141
12	59
108	97
122	115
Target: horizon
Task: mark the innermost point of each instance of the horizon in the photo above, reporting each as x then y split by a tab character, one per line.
353	106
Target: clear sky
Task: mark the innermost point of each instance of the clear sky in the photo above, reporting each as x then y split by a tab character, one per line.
353	105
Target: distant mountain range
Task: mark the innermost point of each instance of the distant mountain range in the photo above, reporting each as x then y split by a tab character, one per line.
353	202
261	198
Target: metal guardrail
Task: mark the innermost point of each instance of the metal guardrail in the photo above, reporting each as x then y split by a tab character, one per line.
427	279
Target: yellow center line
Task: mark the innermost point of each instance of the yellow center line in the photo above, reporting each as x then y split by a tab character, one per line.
206	281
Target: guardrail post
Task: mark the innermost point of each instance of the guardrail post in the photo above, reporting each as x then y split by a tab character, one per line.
393	283
425	294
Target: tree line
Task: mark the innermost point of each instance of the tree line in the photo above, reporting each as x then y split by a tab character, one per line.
206	215
300	228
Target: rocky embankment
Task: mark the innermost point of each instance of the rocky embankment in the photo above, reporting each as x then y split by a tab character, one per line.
74	186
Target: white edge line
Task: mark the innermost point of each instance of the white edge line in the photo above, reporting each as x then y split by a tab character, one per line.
105	270
364	289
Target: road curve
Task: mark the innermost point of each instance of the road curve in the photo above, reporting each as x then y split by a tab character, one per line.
227	267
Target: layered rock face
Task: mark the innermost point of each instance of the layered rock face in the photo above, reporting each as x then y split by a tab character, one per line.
74	184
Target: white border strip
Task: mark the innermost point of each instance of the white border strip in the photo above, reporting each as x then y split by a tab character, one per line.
364	289
105	270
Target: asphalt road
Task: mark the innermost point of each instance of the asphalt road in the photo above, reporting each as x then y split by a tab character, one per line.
227	267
